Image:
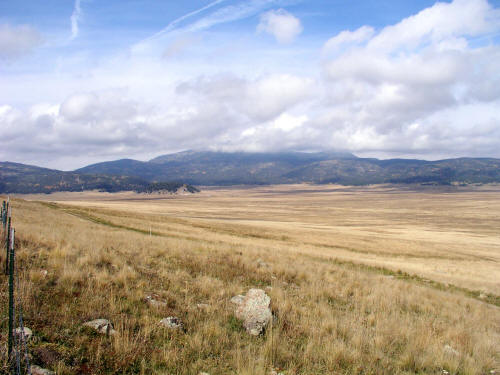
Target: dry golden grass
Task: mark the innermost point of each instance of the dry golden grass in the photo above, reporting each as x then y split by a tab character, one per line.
341	307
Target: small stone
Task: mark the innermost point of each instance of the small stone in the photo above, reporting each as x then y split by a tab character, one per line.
153	300
444	372
262	264
27	332
254	311
103	326
37	370
237	300
448	350
483	295
172	322
203	373
44	273
202	306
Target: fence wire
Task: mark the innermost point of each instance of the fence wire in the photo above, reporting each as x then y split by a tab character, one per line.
18	350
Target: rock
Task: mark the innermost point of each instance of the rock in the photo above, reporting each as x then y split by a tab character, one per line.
262	264
444	372
203	373
37	370
483	295
27	332
44	273
103	326
202	306
237	300
448	350
254	311
154	300
172	322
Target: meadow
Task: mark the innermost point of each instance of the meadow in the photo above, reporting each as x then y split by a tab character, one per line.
362	280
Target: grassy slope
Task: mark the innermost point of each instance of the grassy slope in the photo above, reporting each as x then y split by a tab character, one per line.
332	317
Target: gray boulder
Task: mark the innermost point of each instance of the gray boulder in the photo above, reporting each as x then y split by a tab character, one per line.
27	333
254	310
103	326
37	370
172	322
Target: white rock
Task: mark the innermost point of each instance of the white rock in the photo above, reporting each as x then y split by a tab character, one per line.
154	301
203	373
448	350
27	332
202	306
237	300
103	326
172	322
254	311
262	264
37	370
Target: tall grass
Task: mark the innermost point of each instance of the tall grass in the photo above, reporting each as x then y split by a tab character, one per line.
330	318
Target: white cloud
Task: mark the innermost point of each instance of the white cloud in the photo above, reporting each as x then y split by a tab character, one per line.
425	87
284	26
348	37
288	122
379	84
16	41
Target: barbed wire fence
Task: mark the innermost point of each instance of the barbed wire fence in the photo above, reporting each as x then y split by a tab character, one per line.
18	360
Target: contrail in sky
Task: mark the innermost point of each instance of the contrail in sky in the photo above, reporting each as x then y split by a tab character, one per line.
172	25
75	17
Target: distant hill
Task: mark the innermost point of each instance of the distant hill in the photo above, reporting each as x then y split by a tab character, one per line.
235	168
240	168
28	179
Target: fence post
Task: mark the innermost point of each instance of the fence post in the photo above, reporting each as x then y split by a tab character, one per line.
11	294
7	240
4	214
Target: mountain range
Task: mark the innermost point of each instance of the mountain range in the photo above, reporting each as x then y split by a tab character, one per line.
243	168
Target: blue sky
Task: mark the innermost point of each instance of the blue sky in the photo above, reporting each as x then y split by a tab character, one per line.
85	80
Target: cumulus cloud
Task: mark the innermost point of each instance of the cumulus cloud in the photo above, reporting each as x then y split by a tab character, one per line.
387	89
257	100
427	86
284	26
16	41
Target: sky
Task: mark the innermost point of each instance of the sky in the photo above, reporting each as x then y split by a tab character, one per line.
84	81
